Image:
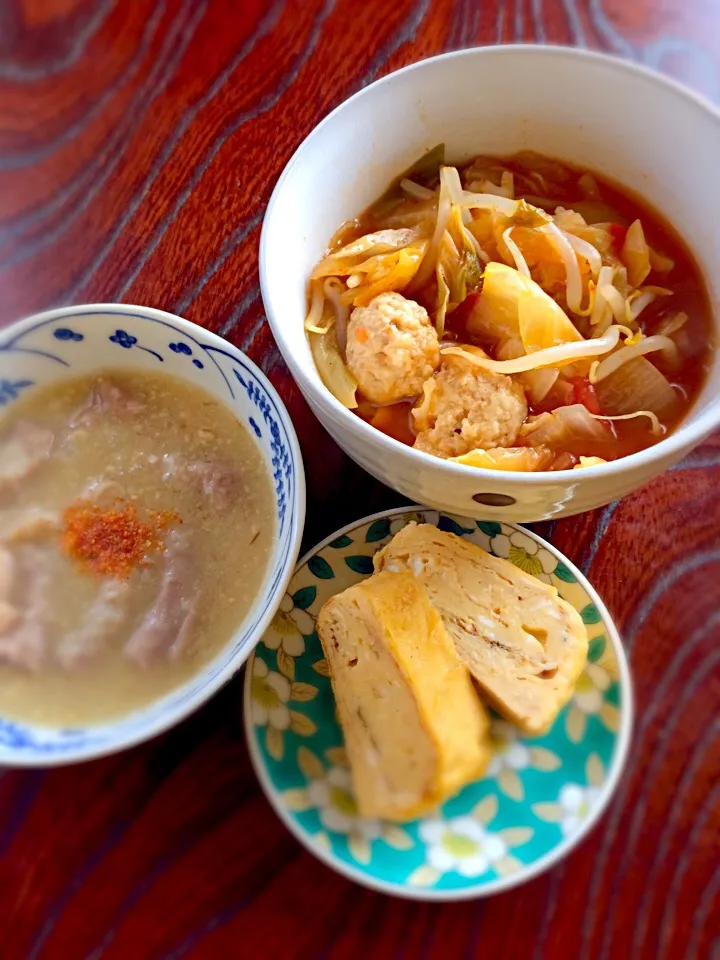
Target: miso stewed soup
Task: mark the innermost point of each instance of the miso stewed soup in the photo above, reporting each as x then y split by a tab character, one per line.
512	313
136	520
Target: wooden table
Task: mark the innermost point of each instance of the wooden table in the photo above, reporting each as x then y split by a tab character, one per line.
139	144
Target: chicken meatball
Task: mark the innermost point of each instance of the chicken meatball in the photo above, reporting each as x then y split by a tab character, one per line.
465	408
392	348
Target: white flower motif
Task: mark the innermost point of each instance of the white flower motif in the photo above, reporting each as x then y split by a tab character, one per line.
332	796
590	687
589	701
525	553
508	750
461	844
270	693
288	628
509	755
576	803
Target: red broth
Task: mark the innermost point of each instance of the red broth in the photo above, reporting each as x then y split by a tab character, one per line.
548	184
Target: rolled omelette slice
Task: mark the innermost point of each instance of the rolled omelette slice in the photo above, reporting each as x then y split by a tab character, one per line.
415	730
523	643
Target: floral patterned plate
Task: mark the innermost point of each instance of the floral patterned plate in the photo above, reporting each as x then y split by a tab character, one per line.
540	795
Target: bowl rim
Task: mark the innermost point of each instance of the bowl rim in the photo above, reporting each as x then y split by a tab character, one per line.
8	756
544	863
685	435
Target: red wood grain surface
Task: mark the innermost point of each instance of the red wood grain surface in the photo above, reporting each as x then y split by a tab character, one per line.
139	144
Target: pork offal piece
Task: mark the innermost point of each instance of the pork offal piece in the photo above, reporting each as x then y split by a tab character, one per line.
7	573
106	399
218	481
24	645
33	524
9	615
107	613
166	628
23	641
26	448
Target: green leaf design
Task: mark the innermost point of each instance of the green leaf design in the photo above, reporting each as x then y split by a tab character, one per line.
378	531
303	692
320	568
301	724
274	742
309	764
286	664
596	648
562	573
451	526
590	614
490	528
321	667
360	564
304	597
339	542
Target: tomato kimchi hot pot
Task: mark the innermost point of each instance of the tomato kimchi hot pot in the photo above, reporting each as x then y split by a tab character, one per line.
512	313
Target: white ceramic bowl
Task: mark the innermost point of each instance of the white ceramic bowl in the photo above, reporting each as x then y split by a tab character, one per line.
634	125
60	344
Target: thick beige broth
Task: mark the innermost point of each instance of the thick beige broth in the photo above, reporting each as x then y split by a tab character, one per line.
142	456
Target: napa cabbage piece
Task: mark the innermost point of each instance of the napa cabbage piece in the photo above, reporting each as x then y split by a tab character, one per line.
655	425
635	254
333	289
332	368
468	248
379	274
512	305
343	261
671	324
562	426
596	234
589	462
637	301
536	383
659	262
521	459
637	384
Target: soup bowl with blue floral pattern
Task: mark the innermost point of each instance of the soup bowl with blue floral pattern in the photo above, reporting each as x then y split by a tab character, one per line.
539	796
49	348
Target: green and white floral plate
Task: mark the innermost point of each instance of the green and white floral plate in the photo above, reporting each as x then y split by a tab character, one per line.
540	795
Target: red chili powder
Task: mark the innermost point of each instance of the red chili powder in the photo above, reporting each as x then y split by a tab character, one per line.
112	542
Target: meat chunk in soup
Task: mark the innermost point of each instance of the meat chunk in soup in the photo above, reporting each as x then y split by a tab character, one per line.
106	398
24	646
105	616
464	408
23	640
217	480
392	348
166	627
27	448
